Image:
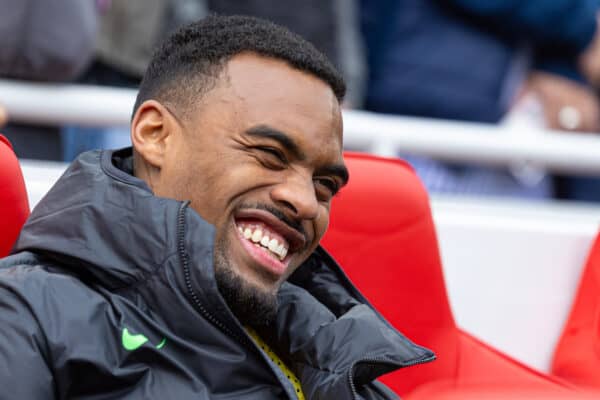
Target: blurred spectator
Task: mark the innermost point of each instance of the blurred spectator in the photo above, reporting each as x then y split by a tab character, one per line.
475	60
43	41
46	41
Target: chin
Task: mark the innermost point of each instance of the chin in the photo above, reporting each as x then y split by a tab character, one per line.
251	294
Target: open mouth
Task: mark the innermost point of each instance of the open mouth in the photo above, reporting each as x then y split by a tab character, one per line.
261	235
268	240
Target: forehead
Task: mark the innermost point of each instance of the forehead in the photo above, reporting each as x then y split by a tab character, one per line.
255	90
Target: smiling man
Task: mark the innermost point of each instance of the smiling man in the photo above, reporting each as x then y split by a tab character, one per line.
189	266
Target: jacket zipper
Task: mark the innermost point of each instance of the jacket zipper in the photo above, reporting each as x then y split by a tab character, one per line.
379	360
186	272
196	301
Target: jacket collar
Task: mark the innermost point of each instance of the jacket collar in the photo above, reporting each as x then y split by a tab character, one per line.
103	222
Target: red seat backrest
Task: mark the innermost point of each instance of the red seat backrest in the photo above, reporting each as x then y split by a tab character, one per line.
382	234
14	206
577	355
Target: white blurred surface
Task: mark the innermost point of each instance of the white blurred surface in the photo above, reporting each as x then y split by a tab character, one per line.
512	269
39	177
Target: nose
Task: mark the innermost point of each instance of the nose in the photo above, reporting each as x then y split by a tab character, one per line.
297	195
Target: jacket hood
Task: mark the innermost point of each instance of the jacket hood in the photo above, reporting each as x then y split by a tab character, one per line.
104	225
100	220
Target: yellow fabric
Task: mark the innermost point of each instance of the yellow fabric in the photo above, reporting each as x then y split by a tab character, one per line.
271	354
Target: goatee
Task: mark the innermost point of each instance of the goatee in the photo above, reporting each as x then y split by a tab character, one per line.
251	305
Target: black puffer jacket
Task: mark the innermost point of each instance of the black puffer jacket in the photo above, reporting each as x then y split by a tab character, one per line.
111	295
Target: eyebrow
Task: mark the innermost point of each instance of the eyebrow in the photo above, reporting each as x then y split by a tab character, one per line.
268	132
265	131
338	170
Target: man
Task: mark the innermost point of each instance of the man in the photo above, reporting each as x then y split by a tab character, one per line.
189	267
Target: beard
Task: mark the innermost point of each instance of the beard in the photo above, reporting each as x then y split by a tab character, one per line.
252	305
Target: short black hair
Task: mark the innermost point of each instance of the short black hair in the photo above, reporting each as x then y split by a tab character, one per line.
188	63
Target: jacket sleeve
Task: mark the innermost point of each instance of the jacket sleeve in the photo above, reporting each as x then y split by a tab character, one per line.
24	372
571	23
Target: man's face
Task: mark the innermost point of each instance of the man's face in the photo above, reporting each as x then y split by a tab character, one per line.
260	158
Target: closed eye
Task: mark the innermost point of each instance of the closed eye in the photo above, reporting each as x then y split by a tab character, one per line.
329	184
272	157
274	152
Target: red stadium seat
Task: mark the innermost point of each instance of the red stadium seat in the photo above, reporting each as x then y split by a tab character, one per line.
480	392
382	233
14	207
577	356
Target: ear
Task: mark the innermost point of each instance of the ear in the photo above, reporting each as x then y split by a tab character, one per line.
151	130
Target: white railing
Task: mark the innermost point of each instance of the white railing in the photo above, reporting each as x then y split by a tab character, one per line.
374	133
58	104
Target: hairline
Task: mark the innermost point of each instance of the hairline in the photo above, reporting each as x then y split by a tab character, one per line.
212	80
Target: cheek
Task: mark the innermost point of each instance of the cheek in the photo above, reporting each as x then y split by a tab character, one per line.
322	223
217	190
201	186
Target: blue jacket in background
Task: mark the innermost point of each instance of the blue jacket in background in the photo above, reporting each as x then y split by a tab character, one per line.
461	59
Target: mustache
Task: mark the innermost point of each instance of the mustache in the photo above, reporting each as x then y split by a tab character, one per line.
279	215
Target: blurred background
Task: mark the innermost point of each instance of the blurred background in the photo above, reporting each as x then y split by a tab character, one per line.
520	68
494	103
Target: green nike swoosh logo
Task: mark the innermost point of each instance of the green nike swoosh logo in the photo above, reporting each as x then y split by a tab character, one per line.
133	342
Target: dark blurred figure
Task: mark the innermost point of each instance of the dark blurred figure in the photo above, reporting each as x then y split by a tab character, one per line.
44	41
475	60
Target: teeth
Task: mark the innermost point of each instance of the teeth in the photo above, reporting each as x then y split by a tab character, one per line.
256	236
272	245
265	241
